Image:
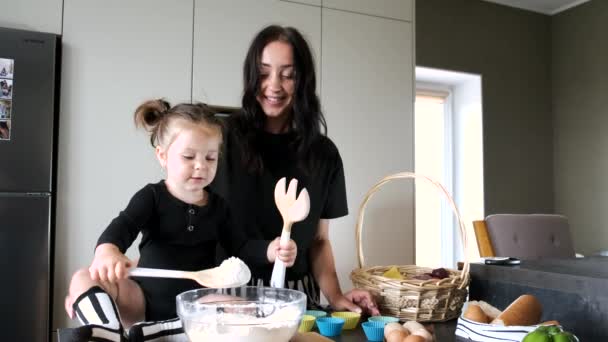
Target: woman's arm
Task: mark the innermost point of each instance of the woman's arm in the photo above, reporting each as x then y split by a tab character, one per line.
323	265
324	271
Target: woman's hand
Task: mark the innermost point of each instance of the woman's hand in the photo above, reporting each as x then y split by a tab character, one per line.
356	300
286	253
109	264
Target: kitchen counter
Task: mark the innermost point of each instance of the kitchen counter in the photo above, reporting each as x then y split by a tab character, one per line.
444	332
572	291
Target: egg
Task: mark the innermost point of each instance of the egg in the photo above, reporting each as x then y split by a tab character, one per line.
396	336
414	338
412	326
390	327
424	334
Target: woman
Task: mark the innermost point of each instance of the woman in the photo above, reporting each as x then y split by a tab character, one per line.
280	132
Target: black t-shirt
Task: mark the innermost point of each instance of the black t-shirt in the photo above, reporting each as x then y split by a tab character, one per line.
178	236
250	194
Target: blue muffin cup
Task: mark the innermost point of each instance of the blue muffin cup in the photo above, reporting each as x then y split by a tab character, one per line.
385	319
374	331
316	313
330	326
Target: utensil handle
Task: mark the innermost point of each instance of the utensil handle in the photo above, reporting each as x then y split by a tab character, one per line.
278	271
157	273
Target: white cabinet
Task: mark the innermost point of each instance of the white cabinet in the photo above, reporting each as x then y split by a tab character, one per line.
367	82
396	9
116	54
32	15
306	2
223	31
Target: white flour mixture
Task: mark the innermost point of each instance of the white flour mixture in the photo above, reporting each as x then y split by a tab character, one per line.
280	326
232	271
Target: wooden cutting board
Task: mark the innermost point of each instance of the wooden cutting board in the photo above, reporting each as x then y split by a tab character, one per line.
310	337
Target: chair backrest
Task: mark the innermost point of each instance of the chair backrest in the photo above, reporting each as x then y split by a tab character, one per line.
524	236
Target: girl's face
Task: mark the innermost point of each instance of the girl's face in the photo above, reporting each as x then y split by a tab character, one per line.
190	161
277	82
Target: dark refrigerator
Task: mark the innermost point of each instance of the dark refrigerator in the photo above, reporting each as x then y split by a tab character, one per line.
29	102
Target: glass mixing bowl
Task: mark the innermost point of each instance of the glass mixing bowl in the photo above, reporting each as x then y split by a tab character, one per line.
241	314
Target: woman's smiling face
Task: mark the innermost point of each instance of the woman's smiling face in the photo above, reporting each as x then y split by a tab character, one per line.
277	82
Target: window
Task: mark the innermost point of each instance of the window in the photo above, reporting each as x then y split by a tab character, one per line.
433	158
448	148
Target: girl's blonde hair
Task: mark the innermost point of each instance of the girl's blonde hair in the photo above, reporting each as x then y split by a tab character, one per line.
164	122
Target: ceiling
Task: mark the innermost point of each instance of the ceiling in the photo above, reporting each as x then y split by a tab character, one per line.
548	7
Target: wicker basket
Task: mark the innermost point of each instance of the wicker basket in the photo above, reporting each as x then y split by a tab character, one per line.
412	299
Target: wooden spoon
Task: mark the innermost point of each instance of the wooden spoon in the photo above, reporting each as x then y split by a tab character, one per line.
213	277
292	210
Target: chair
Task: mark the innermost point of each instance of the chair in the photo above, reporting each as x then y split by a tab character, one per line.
524	236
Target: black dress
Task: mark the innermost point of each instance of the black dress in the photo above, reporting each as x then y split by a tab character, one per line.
178	236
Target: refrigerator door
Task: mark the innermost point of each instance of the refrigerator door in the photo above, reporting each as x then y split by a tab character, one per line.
28	156
24	251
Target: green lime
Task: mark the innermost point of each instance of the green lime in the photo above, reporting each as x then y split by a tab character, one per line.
554	329
543	328
537	336
564	337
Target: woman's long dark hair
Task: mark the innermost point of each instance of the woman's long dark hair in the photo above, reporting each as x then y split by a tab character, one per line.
306	122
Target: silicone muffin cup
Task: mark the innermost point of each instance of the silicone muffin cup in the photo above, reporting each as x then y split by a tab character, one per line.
330	326
374	331
385	319
307	323
350	319
316	313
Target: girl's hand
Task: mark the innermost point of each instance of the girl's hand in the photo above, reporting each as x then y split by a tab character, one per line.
356	300
286	253
109	264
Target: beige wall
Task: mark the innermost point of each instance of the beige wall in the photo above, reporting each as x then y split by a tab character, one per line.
511	50
544	108
580	85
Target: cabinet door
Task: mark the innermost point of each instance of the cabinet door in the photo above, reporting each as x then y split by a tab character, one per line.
116	55
367	94
32	15
223	31
306	2
397	9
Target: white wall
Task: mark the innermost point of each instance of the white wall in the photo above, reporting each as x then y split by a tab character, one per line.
468	154
117	54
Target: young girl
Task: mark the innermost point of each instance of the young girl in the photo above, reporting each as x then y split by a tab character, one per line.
181	222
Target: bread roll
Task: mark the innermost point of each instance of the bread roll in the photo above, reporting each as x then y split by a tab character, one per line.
476	314
488	309
525	310
550	323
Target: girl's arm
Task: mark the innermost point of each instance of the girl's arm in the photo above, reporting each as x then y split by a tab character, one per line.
124	228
